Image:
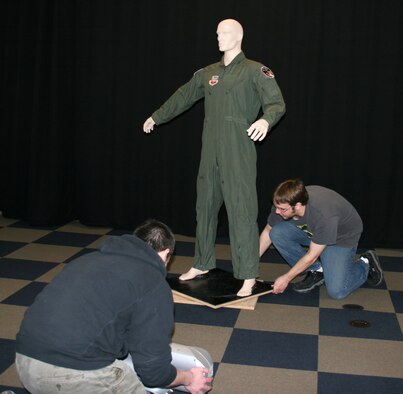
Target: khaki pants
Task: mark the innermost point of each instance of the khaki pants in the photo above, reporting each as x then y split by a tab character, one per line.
42	378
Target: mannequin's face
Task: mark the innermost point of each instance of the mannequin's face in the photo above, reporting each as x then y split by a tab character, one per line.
229	36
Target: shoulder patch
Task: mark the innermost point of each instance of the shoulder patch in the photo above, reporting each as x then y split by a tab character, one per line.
267	72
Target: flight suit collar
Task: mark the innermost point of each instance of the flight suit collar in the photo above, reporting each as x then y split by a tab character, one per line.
237	59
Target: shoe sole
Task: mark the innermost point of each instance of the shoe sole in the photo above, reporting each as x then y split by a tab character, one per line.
378	266
317	284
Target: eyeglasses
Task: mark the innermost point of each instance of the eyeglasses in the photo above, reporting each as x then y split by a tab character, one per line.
282	210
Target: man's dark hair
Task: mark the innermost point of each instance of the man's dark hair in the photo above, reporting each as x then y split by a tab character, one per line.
291	192
157	234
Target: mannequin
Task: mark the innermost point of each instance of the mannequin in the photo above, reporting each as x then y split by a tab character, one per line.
235	90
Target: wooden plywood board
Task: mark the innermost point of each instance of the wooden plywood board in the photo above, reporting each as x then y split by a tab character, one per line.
216	289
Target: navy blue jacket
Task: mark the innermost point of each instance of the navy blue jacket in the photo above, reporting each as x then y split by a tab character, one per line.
102	306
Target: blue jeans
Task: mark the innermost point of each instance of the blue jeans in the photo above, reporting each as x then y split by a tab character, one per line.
342	274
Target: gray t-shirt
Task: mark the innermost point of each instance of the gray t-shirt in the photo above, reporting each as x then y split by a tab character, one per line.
329	219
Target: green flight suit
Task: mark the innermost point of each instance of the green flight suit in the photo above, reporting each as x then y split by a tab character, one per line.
233	96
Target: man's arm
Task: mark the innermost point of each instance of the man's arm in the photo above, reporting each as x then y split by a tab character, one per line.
306	261
264	240
195	380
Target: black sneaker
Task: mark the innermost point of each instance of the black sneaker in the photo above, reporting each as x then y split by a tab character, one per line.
375	273
312	279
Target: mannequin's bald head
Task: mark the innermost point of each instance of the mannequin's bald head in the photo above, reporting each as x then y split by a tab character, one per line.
233	25
229	35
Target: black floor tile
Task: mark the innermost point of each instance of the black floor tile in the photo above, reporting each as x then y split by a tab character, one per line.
331	383
290	297
7	354
184	248
397	300
272	349
25	296
195	314
336	322
391	263
7	247
67	239
23	269
22	224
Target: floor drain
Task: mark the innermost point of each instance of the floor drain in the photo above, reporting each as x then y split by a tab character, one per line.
352	306
360	323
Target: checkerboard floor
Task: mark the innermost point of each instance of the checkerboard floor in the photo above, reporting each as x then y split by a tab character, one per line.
290	343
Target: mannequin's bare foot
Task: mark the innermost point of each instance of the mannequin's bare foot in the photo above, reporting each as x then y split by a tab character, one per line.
192	273
247	288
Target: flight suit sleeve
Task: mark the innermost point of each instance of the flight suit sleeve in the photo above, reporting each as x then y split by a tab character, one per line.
273	105
187	95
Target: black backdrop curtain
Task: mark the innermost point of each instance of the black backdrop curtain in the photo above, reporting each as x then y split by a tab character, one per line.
78	79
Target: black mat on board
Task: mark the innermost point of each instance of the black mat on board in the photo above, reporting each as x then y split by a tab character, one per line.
217	287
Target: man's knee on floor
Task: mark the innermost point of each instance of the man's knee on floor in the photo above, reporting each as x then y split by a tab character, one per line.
337	293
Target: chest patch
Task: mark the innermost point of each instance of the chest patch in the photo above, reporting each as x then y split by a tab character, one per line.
267	72
214	80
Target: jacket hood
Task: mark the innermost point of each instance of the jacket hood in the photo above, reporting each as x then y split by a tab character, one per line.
132	246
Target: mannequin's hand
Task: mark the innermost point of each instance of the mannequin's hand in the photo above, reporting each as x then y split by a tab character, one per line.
258	130
148	126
